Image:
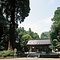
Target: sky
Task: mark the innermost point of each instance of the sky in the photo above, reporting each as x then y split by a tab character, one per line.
41	13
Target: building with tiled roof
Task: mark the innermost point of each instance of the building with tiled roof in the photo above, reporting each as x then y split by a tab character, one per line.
39	45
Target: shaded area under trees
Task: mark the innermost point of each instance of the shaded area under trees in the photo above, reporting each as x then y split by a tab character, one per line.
16	10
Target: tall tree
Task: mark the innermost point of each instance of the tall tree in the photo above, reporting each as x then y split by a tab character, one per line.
34	35
55	29
3	31
16	10
45	35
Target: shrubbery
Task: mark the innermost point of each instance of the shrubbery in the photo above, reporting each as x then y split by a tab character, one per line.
10	53
6	53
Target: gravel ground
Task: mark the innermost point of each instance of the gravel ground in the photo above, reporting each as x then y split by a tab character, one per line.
32	59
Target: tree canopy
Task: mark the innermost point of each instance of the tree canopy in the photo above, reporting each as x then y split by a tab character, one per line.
55	29
14	11
19	7
24	36
45	35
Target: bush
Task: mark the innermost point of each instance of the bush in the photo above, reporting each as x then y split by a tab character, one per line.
55	42
6	53
10	53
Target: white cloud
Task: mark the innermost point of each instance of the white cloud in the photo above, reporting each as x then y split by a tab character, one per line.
45	24
51	1
39	26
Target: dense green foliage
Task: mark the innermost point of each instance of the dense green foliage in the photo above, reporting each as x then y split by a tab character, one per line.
4	28
24	36
55	29
20	8
55	42
21	40
45	35
6	53
16	10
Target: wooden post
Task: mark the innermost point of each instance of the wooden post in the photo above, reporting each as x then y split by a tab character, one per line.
37	50
30	49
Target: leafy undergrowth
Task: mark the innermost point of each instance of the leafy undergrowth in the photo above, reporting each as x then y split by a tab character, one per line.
6	53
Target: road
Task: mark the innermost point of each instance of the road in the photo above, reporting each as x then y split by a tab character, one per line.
35	58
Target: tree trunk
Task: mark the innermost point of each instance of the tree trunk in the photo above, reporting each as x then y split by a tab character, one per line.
9	45
12	27
1	32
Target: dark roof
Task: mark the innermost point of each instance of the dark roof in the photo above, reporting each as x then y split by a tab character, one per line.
39	42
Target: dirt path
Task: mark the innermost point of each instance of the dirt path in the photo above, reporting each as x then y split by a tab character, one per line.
32	59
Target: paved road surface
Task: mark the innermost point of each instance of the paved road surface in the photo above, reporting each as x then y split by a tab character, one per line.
32	59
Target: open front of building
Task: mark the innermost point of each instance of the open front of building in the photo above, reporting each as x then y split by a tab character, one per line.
39	45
